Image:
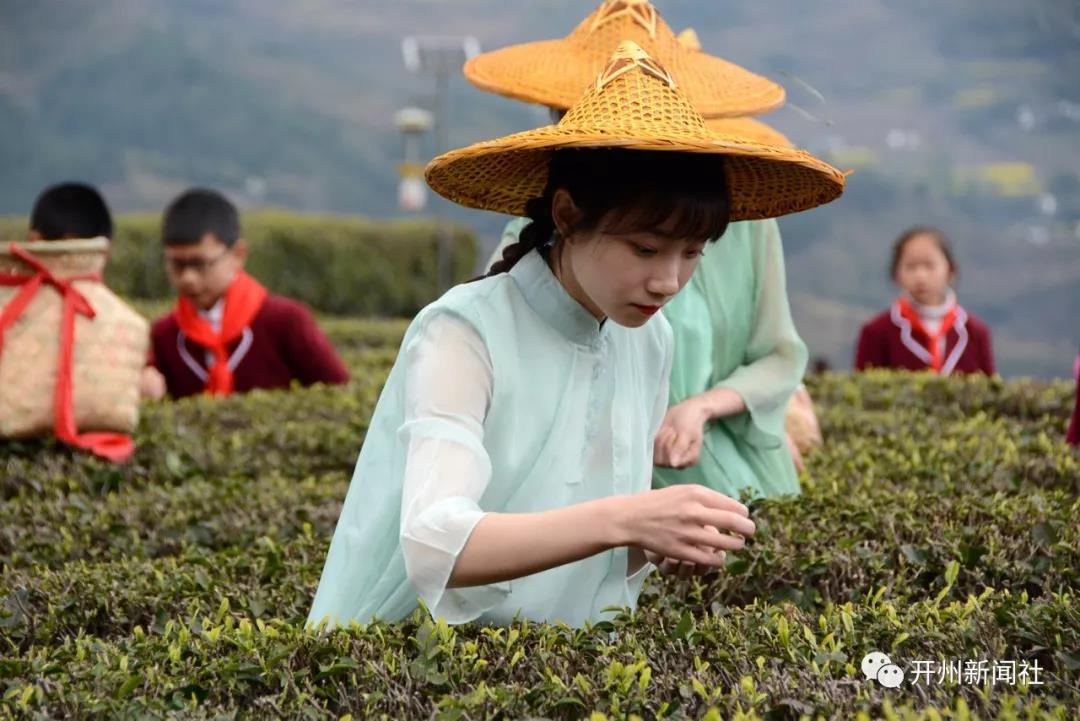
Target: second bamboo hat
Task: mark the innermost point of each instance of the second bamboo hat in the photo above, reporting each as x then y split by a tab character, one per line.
634	104
749	128
556	72
744	127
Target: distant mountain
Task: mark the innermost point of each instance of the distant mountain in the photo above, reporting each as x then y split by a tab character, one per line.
962	114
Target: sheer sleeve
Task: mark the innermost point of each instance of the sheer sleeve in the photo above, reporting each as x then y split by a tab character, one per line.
448	390
776	356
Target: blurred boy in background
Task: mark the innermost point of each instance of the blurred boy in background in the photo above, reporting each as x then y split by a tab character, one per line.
227	333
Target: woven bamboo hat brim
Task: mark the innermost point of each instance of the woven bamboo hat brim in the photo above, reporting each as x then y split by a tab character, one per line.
634	104
749	129
556	72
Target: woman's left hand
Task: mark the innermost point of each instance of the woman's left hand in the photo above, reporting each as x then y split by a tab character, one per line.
678	442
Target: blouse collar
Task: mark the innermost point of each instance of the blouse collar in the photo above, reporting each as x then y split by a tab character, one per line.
547	296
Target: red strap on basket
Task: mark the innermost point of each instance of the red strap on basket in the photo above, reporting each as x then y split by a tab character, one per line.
117	447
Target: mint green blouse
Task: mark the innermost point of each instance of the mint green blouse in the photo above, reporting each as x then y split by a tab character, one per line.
733	329
507	396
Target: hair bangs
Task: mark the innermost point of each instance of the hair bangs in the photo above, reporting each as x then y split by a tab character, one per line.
671	212
676	195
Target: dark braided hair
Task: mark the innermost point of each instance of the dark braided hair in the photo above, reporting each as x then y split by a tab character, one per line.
628	191
536	234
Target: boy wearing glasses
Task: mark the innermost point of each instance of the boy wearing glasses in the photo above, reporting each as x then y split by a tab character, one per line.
227	333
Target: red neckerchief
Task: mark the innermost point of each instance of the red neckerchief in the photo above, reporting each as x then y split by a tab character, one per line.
243	300
934	347
116	447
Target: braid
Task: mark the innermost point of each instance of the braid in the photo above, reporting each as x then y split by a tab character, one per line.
534	235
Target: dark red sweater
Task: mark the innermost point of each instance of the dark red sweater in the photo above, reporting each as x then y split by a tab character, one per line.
889	341
281	344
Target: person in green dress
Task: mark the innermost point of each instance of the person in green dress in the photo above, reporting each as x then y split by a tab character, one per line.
506	470
738	356
738	359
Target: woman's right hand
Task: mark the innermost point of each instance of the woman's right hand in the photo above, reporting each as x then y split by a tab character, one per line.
689	523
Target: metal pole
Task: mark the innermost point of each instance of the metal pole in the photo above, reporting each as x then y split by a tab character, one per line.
444	252
442	56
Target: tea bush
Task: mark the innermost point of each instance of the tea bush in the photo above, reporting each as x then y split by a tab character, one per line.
939	522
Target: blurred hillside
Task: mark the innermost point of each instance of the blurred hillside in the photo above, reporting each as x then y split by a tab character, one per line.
963	114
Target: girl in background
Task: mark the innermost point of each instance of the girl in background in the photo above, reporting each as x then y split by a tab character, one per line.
925	328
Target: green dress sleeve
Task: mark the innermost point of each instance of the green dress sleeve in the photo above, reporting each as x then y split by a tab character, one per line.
775	357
